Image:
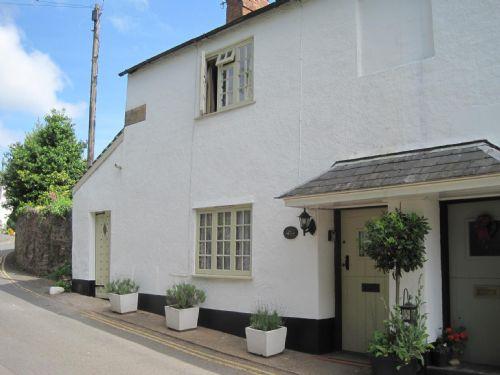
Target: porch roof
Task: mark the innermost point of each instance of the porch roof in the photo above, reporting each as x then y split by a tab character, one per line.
470	159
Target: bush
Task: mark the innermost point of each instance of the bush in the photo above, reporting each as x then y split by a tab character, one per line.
58	204
184	296
403	341
122	286
66	284
62	272
265	320
43	169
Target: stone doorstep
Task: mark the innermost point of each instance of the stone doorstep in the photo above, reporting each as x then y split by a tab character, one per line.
289	361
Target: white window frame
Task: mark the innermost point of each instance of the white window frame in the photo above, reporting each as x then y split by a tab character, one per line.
233	270
227	59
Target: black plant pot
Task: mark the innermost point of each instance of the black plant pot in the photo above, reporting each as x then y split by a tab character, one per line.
440	358
389	366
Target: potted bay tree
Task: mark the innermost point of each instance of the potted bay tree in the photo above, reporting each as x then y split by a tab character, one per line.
182	309
399	348
396	242
123	295
266	335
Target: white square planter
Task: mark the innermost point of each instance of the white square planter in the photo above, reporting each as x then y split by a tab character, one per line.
265	343
123	303
181	319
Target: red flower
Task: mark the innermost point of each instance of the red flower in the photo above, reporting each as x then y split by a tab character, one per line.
450	337
449	330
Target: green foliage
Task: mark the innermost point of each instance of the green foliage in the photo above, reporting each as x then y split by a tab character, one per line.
59	205
62	272
184	296
265	320
122	286
402	340
66	284
396	242
42	170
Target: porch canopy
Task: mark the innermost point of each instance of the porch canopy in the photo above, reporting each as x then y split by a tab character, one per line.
451	172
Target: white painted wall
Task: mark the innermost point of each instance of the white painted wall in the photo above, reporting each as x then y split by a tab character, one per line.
4	212
311	108
430	274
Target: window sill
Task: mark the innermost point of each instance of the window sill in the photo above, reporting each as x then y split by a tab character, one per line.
236	106
230	277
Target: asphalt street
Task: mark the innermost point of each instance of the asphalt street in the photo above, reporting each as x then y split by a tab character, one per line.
40	336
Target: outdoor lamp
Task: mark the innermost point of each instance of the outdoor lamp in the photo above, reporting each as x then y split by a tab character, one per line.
307	223
408	309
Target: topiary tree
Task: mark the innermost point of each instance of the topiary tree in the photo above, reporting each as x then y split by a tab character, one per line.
395	242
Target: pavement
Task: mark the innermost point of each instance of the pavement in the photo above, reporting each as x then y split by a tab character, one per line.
75	334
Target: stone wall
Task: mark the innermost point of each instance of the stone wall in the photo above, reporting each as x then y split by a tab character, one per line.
43	242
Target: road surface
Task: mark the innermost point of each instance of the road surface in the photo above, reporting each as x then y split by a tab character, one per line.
38	336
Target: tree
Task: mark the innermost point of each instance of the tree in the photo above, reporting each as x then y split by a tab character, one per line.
396	243
45	166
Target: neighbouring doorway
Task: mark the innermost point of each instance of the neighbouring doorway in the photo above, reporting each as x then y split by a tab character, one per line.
102	249
474	275
364	289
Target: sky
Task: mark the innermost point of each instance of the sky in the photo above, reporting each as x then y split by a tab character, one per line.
45	57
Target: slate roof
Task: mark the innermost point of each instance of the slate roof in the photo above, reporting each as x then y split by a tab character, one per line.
468	159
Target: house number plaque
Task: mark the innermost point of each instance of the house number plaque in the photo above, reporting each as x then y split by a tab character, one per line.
290	233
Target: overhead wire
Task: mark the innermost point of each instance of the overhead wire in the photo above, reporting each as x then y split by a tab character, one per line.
50	4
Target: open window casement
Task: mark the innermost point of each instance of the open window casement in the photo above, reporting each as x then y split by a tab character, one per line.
203	84
226	78
225	57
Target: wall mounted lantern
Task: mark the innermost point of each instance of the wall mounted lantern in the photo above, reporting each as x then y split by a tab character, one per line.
307	223
408	309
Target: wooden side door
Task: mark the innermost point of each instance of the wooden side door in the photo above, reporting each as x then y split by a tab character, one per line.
102	250
364	289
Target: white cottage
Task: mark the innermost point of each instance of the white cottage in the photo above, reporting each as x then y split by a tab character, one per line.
226	134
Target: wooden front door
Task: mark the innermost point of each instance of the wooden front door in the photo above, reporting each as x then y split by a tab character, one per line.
364	289
474	264
102	247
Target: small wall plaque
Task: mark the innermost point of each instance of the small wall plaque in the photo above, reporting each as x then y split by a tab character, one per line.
290	233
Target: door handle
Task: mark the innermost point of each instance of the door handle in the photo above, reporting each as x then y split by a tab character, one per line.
346	263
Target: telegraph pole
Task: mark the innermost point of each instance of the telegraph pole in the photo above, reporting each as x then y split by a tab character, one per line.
96	17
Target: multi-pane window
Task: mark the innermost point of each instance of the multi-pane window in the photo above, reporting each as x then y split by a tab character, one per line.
224	240
205	241
227	78
243	241
228	232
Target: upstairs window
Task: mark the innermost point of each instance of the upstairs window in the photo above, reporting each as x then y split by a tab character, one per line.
227	78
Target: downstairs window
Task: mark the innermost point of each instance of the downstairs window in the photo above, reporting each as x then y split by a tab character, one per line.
223	243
